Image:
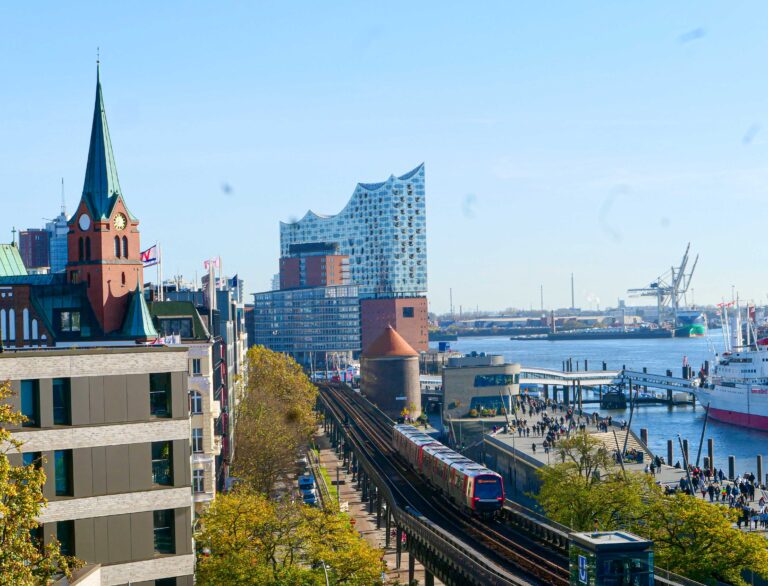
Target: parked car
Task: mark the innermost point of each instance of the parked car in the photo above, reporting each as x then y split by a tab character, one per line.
306	480
310	500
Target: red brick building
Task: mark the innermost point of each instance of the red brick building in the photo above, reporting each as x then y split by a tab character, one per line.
407	315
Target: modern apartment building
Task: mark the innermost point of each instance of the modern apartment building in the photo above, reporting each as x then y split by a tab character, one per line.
34	245
111	428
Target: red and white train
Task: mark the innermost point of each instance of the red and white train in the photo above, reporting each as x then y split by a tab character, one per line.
465	482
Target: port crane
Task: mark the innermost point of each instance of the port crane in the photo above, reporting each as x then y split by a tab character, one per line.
670	288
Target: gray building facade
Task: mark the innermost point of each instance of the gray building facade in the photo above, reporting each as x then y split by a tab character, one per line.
111	428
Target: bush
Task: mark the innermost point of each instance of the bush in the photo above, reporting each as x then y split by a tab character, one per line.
473	413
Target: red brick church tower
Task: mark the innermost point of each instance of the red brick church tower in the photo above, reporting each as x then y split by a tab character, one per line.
103	240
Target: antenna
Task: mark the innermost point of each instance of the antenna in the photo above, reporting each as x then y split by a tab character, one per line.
573	303
63	204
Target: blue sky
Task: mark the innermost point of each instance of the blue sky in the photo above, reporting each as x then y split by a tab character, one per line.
558	137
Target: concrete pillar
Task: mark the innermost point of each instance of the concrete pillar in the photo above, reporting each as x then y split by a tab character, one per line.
644	435
411	565
581	397
586	365
706	463
669	396
566	394
546	392
398	546
429	579
378	509
670	453
685	452
388	526
711	452
759	467
731	467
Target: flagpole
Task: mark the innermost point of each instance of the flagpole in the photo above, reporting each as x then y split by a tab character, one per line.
160	264
157	273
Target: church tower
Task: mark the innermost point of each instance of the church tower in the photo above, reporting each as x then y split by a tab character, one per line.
103	239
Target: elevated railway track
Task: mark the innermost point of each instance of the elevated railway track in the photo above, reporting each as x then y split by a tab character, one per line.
488	552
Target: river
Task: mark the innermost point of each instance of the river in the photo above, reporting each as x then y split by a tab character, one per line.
658	355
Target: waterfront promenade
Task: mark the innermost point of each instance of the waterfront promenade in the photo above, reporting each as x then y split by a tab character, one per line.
536	425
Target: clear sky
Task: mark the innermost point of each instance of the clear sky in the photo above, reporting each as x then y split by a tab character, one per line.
558	137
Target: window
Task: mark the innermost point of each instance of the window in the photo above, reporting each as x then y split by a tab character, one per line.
196	367
495	380
163	526
196	403
407	311
173	326
162	464
125	247
62	460
87	248
30	402
69	321
30	458
197	440
198	480
80	253
62	402
117	246
160	394
122	279
65	534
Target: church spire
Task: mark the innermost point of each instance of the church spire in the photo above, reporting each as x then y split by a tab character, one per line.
101	187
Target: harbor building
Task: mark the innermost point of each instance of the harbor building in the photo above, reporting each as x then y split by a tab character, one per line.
110	426
382	230
379	239
479	381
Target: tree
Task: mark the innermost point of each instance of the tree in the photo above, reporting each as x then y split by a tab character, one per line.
697	539
23	560
250	540
586	488
275	417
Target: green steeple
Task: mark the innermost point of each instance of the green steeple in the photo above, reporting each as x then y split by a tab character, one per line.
102	187
138	321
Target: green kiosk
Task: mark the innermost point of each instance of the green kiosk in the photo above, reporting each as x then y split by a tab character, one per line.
610	558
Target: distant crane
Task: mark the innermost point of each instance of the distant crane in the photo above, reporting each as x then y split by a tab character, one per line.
670	288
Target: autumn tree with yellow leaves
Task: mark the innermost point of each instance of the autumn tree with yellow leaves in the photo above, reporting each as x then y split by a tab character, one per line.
23	561
246	539
274	419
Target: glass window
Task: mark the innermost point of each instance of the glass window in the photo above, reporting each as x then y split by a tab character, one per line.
162	463
125	247
63	472
163	526
407	311
495	380
65	534
30	458
198	480
30	402
196	403
62	402
196	366
197	440
160	394
69	321
117	246
176	326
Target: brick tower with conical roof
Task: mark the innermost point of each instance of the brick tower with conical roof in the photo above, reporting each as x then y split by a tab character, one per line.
103	240
389	371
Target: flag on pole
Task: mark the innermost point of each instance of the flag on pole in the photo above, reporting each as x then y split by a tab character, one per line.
149	256
211	263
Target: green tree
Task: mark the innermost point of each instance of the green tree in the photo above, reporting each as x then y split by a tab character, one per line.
249	540
586	487
697	539
274	418
23	561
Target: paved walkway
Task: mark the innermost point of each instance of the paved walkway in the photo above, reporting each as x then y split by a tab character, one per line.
365	522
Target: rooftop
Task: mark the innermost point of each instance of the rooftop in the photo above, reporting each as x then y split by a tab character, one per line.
389	343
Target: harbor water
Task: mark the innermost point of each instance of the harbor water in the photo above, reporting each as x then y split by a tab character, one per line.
657	355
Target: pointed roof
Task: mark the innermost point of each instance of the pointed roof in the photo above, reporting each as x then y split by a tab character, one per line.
389	343
138	321
11	264
101	188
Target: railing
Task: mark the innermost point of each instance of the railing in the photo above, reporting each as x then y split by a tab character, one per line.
324	492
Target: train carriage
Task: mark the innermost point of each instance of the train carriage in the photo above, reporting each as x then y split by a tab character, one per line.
464	481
